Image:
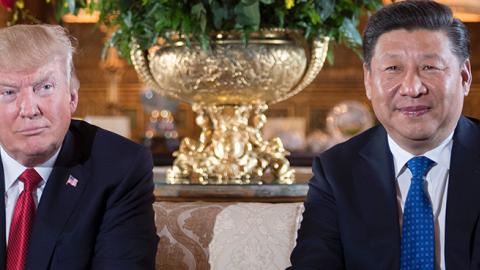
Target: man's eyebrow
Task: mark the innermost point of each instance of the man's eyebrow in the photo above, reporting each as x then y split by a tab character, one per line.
432	56
41	79
8	84
391	55
44	77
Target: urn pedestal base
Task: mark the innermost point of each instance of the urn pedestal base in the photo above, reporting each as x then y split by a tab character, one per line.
230	149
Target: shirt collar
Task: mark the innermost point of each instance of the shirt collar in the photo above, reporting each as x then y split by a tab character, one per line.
440	154
12	168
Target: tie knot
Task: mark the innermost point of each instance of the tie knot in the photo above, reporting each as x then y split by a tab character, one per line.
419	166
30	179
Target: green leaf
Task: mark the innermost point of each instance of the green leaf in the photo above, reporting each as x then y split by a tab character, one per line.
248	2
71	6
127	20
314	17
176	19
248	15
199	14
373	5
124	5
330	56
267	2
349	31
326	9
197	10
219	14
204	42
186	25
280	14
59	11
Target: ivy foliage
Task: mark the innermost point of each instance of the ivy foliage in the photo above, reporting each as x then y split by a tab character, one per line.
147	20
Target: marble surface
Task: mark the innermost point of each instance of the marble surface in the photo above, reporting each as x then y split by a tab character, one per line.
246	192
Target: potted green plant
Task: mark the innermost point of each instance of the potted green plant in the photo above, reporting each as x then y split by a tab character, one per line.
147	20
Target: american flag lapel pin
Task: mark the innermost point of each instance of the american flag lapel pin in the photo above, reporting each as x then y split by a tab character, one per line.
72	181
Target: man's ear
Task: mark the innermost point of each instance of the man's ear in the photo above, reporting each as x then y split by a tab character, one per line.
466	73
367	81
74	86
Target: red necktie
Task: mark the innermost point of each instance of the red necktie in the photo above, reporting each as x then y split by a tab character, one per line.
22	221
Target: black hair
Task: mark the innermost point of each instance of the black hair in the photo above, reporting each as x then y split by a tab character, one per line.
413	15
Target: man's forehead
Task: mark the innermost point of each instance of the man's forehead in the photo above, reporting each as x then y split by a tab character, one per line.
19	77
28	65
427	43
420	34
399	54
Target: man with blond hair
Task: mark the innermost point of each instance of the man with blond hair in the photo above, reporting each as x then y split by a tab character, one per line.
76	196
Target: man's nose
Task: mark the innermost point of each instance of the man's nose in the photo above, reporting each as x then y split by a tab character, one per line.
412	84
28	105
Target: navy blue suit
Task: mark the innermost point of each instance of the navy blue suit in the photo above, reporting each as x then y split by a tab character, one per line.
106	221
351	218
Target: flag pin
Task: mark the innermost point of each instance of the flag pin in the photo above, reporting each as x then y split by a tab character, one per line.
72	181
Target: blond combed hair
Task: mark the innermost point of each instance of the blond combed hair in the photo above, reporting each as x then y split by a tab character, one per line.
27	47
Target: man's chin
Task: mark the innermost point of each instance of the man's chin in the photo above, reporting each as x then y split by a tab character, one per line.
35	156
418	135
410	135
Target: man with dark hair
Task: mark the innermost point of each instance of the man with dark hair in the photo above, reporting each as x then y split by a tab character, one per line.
404	194
76	196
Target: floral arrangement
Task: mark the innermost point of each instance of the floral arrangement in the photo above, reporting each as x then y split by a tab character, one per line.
196	20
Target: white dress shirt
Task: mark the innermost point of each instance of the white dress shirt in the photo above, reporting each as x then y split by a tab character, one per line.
13	187
436	185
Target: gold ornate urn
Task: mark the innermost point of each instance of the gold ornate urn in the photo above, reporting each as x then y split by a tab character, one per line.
230	87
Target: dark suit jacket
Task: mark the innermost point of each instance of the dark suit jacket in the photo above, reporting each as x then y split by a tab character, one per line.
107	220
351	218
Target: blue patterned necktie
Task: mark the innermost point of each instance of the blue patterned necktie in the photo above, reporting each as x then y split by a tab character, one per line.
418	236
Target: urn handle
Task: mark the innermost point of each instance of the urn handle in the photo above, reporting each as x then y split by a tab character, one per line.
141	64
317	49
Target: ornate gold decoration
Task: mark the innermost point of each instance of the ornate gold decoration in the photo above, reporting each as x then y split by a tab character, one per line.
230	87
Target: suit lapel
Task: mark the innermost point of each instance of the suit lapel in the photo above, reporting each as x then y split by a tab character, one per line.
3	240
375	182
463	199
56	205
